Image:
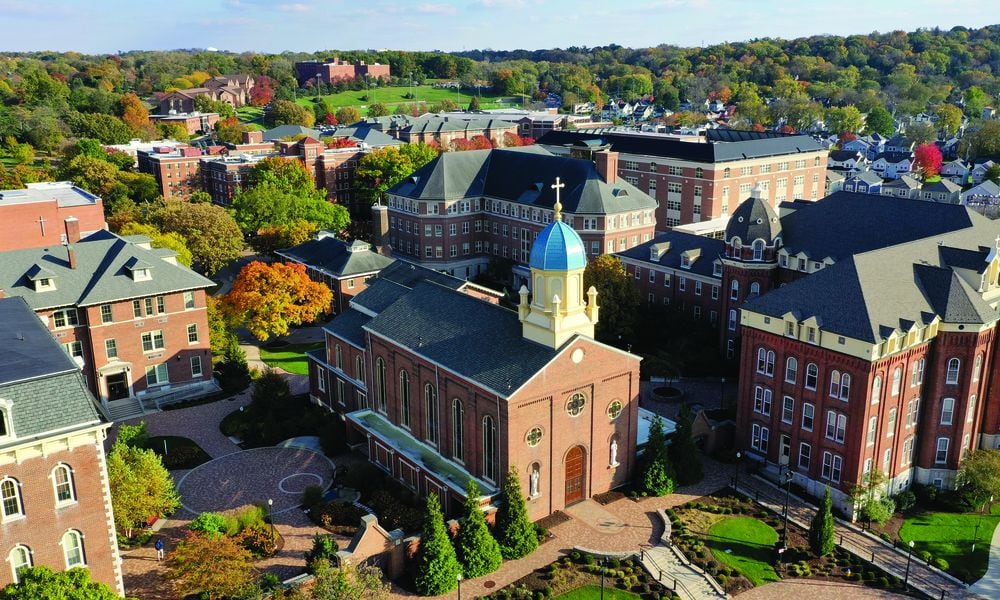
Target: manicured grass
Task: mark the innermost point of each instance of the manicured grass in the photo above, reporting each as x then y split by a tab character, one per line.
391	96
750	544
182	452
593	592
950	536
291	358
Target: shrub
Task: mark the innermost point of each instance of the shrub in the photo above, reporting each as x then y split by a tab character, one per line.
324	548
181	457
905	500
312	496
252	516
941	564
925	556
259	540
269	582
209	523
337	517
882	582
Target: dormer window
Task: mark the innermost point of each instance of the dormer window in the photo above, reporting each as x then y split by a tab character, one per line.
717	269
139	269
685	262
42	279
6	424
758	250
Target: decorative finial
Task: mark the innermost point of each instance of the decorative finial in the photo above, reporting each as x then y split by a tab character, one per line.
557	207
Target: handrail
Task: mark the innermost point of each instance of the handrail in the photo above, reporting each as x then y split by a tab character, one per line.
660	569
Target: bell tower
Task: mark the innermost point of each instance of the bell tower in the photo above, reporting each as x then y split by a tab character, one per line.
557	311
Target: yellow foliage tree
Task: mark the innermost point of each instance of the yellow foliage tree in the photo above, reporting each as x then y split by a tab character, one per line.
268	299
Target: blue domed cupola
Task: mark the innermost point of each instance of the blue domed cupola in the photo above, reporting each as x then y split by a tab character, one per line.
557	310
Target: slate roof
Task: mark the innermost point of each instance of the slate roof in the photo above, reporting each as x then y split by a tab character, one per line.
523	175
845	223
753	219
284	131
397	279
336	257
905	182
44	386
723	144
844	155
868	177
673	244
897	262
349	326
101	276
433	321
372	137
894	157
944	185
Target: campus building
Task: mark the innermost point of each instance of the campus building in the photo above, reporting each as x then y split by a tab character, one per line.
130	316
34	217
465	208
55	503
867	335
440	387
333	70
695	181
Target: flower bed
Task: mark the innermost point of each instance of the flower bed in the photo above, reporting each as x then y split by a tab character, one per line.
575	574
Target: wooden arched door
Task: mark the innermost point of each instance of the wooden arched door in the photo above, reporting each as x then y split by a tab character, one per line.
575	477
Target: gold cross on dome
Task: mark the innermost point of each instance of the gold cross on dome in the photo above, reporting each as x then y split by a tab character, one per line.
557	207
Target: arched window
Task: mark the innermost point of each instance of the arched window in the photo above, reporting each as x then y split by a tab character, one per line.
4	422
62	482
970	413
758	249
897	378
11	505
359	368
845	386
791	369
457	429
404	399
812	376
954	366
431	413
876	389
19	558
765	362
734	290
72	545
489	448
917	376
976	369
754	290
380	385
835	384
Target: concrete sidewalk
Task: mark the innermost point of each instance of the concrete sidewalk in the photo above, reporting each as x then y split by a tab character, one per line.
989	585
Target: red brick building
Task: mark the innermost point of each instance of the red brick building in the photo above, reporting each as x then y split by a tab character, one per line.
441	387
193	122
865	344
333	70
231	89
34	217
131	316
704	180
55	504
177	170
464	208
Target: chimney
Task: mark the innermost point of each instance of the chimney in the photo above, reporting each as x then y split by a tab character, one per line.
380	225
72	230
253	137
71	252
607	165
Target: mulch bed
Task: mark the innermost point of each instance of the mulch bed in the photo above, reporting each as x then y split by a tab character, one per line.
556	518
608	497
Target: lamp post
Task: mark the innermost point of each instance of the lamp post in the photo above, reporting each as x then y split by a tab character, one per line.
788	489
736	477
604	564
722	392
909	555
459	576
270	518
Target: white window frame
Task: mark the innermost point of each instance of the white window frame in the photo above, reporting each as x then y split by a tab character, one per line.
69	483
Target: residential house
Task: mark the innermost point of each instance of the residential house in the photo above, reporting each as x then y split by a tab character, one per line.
847	161
231	89
899	144
904	187
892	165
944	190
834	182
978	172
983	198
865	182
957	171
56	502
130	315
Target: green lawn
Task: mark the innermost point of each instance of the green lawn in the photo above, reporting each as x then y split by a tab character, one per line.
593	592
391	96
750	544
950	536
290	357
181	452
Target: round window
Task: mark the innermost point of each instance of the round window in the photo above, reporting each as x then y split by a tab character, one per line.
614	409
534	436
575	405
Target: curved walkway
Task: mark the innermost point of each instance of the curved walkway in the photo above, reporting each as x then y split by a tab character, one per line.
989	585
813	589
254	476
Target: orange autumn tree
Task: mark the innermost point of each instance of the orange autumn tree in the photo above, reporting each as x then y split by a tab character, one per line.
269	298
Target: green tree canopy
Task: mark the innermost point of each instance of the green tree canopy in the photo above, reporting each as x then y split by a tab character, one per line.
684	453
381	169
267	205
212	236
172	240
979	474
140	487
880	121
617	297
821	528
286	112
437	568
42	583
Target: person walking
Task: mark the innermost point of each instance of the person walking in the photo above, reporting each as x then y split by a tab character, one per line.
159	548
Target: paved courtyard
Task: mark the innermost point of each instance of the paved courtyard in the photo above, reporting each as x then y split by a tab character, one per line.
252	477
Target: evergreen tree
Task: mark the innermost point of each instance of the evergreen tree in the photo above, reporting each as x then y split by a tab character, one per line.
437	567
478	552
684	454
657	474
821	528
474	104
515	532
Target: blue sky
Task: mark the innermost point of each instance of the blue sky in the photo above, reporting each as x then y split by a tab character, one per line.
98	26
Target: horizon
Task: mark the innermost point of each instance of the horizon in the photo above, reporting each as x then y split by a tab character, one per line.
265	26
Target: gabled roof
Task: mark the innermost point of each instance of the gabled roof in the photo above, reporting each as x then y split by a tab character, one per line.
869	177
368	135
44	386
672	245
894	157
285	131
844	155
395	280
905	182
102	273
523	175
943	185
336	257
